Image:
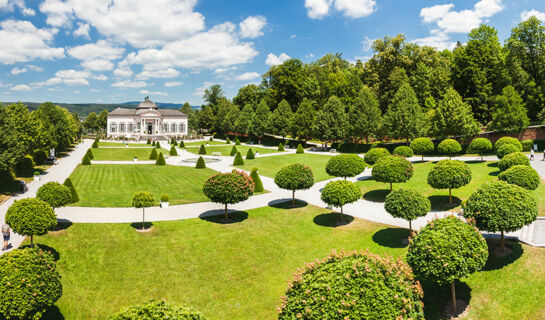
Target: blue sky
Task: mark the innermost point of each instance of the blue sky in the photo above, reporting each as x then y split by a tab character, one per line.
111	51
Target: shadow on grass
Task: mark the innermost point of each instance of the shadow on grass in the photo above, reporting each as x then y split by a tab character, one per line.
332	220
391	237
494	173
437	298
441	203
419	161
475	161
53	251
378	195
138	225
496	262
53	313
218	216
492	165
286	204
62	224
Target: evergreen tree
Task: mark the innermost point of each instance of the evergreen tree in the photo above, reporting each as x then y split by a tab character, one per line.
404	118
510	114
332	121
245	120
192	121
260	125
303	121
279	120
365	115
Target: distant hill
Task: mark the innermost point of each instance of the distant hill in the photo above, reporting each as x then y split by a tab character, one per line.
159	104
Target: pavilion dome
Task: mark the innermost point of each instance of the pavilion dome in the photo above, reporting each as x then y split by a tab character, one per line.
146	104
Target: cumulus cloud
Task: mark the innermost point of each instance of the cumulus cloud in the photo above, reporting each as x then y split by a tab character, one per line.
29	12
247	76
20	87
317	9
153	93
72	77
437	39
123	72
97	56
151	72
82	30
251	27
129	84
199	92
527	14
18	70
273	60
173	83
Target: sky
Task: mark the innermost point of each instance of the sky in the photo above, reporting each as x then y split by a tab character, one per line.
113	51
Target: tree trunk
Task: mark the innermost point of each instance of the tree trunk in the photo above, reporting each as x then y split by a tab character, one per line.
482	159
293	198
422	157
450	196
410	227
342	219
453	293
226	218
502	242
31	241
391	187
143	220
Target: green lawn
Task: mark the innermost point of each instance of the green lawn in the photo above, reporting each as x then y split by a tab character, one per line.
240	270
482	172
113	185
212	143
124	154
269	166
226	149
120	144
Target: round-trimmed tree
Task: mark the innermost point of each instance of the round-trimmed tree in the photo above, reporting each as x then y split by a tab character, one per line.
449	174
158	310
422	146
345	165
153	154
505	150
340	192
31	217
508	140
294	177
498	206
233	151
173	151
29	282
349	286
513	159
445	250
403	151
143	199
201	164
407	204
392	169
229	188
55	194
521	175
202	149
479	146
373	155
257	180
450	147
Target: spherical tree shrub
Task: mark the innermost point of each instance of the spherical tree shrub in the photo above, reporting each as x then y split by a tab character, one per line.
505	150
200	163
160	160
250	154
68	183
158	310
86	161
55	194
294	177
29	282
143	199
340	192
90	154
445	250
300	149
345	165
404	151
238	161
355	285
237	142
500	206
513	159
173	151
521	175
164	198
422	146
507	140
229	188
153	154
449	174
450	147
479	146
280	147
527	145
233	151
202	149
392	169
254	175
372	156
407	204
31	217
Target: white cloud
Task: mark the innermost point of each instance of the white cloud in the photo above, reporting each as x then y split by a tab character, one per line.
77	91
129	84
18	70
153	93
100	77
438	39
21	87
199	92
525	15
434	13
367	44
49	82
247	76
35	68
317	9
29	12
123	72
9	5
173	83
273	60
26	42
355	8
98	65
97	56
82	30
150	72
252	27
72	77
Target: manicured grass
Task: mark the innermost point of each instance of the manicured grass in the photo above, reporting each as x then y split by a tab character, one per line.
124	154
226	149
212	143
113	185
120	144
269	166
482	172
240	270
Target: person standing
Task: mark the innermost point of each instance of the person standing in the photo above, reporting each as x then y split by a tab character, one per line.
532	155
5	234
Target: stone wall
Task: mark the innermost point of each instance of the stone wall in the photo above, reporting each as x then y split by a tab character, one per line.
532	132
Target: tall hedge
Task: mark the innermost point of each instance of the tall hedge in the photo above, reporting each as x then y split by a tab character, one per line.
201	164
392	169
229	188
153	154
300	149
527	145
354	285
68	183
403	151
449	174
373	155
340	192
449	147
250	154
238	161
173	151
233	151
55	194
31	217
202	150
254	175
513	159
294	177
521	175
507	140
158	310
505	150
345	165
160	160
479	146
407	204
422	146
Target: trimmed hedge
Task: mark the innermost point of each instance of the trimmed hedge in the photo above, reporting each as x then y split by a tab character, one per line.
157	145
527	145
422	146
300	149
173	151
449	146
55	194
505	150
513	159
86	161
373	155
233	151
521	175
68	183
149	141
250	154
182	144
280	147
392	169
254	175
238	161
507	140
407	204
345	165
95	144
237	142
404	151
201	164
90	154
153	154
227	141
25	167
158	310
160	160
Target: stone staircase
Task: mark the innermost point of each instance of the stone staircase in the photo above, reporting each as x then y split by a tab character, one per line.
156	137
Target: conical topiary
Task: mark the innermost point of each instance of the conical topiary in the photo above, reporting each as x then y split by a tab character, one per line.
182	144
160	160
173	151
86	161
172	141
300	149
175	143
202	150
157	145
211	139
227	141
233	151
280	147
238	160
250	154
257	180
200	163
68	183
149	141
95	143
153	154
237	142
90	154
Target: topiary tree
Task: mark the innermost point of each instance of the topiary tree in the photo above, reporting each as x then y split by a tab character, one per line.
349	286
403	151
89	154
392	169
513	159
68	183
95	143
25	167
211	139
507	140
340	192
300	149
280	147
500	206
233	151
160	160
175	142
373	155
55	194
238	161
449	174
173	151
521	175
480	146
227	141
158	310
182	144
31	217
200	163
257	181
345	165
250	154
172	141
407	204
450	147
237	142
149	141
153	154
229	188
202	149
445	250
157	145
143	199
86	161
422	146
29	282
505	150
294	177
